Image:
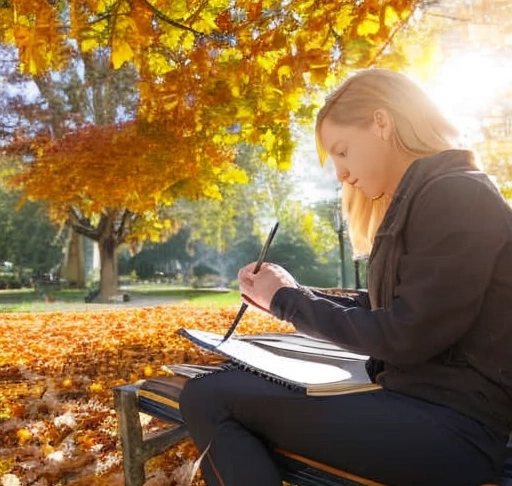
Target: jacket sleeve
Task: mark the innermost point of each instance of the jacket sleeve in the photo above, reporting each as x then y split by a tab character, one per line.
344	297
453	236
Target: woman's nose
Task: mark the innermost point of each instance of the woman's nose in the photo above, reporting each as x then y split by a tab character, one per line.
342	174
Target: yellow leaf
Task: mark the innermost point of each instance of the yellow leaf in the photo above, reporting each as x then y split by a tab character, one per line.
23	435
179	8
8	36
267	61
121	53
47	449
234	175
207	23
235	91
212	191
344	18
33	67
295	100
188	40
370	25
318	74
230	139
23	20
95	387
171	39
390	16
243	113
269	139
284	72
230	55
67	383
331	80
100	6
159	64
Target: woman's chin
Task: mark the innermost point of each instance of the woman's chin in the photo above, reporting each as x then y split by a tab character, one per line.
373	195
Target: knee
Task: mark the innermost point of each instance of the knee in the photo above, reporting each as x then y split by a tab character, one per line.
192	397
202	408
203	399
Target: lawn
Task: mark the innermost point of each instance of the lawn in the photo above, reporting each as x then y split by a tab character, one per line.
57	369
141	295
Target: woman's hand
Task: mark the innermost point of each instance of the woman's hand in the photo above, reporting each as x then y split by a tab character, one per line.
259	288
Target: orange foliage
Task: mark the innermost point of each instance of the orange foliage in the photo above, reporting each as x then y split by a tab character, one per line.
211	75
57	369
128	168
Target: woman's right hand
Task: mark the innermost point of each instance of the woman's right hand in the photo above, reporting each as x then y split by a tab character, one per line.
258	289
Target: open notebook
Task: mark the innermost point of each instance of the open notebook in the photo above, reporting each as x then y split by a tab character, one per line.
297	345
316	378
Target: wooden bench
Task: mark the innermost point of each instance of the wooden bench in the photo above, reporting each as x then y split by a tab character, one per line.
137	447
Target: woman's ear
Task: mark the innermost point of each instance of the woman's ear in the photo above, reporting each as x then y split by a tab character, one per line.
383	124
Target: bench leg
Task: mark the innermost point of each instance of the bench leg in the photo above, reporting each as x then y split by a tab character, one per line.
130	434
136	447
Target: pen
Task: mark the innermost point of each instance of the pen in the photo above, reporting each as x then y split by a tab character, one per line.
261	259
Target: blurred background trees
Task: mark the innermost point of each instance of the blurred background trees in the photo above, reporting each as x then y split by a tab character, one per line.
141	103
172	134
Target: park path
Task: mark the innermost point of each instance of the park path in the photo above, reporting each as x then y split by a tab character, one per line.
134	302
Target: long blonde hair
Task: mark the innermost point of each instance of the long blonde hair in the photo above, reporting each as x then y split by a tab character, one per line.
420	130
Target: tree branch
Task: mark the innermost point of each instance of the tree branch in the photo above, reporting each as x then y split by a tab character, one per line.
397	29
81	224
448	17
172	22
124	226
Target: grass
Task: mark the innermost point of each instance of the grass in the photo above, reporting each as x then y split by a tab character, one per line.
144	295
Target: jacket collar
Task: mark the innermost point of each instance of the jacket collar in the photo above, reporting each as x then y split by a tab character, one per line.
418	175
387	247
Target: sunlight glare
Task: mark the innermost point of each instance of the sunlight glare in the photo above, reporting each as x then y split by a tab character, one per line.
466	85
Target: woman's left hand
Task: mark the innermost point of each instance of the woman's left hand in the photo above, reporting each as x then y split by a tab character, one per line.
259	288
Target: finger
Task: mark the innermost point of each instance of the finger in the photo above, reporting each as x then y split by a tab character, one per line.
250	267
247	270
249	301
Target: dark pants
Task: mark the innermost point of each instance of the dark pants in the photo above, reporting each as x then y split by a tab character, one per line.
384	436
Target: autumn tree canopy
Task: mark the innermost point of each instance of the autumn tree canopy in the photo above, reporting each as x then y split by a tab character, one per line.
208	76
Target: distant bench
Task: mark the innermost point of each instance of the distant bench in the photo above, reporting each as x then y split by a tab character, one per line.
158	397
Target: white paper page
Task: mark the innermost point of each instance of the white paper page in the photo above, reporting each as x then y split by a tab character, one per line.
291	369
302	346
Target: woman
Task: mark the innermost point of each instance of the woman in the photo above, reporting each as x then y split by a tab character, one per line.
436	320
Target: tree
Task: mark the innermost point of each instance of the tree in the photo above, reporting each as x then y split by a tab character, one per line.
170	259
211	75
27	238
236	225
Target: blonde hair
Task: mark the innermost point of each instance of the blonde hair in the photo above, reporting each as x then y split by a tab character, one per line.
420	130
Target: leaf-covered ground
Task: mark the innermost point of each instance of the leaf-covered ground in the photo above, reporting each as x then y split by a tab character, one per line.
57	370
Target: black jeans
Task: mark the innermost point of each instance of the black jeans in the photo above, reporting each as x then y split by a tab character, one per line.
384	436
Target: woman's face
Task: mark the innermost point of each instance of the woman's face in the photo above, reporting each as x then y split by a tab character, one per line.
362	157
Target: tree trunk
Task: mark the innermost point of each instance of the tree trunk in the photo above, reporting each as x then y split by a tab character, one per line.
108	272
73	268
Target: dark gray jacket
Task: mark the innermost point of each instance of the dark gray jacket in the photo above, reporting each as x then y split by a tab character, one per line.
439	319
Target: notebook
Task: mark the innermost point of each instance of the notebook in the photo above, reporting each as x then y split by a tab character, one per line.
314	377
294	344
